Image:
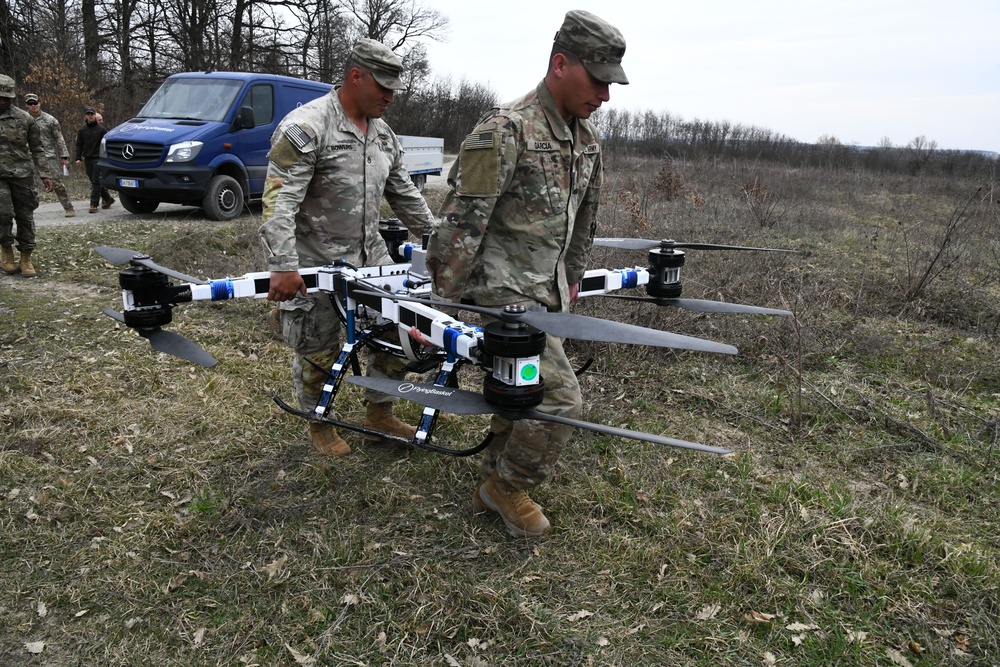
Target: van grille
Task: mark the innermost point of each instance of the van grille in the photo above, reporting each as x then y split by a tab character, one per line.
133	152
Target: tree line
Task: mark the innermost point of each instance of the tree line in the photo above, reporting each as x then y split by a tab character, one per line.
114	53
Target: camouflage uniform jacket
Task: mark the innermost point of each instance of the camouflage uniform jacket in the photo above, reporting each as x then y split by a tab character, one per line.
20	145
519	221
325	182
52	136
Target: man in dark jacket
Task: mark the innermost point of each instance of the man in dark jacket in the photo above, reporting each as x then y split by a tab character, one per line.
88	150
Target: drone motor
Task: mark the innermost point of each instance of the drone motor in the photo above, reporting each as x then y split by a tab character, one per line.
145	288
665	273
514	348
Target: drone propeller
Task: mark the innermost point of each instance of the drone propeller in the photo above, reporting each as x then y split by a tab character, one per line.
126	256
669	244
702	305
580	327
168	342
462	402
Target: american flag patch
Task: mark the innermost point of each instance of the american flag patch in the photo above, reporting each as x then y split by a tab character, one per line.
479	140
298	137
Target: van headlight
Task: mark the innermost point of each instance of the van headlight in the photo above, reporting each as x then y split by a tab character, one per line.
103	150
184	151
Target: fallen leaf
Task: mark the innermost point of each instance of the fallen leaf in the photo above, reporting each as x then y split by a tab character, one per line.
274	567
800	627
301	658
199	636
798	639
708	611
759	617
35	647
41	609
770	660
898	658
349	599
603	641
583	613
856	636
451	661
916	648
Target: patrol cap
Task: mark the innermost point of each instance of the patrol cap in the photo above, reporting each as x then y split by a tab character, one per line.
384	65
6	86
598	44
30	97
89	110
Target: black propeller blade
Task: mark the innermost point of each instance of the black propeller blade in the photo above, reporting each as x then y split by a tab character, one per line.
702	305
460	401
580	327
645	244
126	256
169	342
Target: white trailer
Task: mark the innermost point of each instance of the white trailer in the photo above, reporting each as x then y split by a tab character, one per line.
422	156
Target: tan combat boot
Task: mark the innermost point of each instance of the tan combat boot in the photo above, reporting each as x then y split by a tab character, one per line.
27	270
326	441
523	517
380	418
70	213
7	261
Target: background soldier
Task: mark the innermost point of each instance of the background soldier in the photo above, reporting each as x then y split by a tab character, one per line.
517	227
331	162
55	149
20	146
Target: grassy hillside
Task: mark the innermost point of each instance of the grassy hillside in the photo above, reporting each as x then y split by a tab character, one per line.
154	512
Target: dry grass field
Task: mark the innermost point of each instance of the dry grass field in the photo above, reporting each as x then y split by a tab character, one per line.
157	513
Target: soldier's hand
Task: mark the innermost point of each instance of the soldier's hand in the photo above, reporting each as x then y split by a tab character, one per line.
284	285
47	184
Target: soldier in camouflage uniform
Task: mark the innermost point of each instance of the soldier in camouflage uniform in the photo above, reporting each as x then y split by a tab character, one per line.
55	149
517	228
21	153
331	162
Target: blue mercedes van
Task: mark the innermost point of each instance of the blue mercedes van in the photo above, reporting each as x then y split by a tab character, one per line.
201	140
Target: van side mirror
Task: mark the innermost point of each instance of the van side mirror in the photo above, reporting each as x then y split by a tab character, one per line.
245	119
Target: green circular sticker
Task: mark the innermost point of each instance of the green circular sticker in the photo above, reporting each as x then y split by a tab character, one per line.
529	372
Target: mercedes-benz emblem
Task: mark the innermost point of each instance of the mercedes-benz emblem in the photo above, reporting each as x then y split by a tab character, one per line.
128	151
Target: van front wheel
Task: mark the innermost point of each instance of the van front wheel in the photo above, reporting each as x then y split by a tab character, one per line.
224	199
137	205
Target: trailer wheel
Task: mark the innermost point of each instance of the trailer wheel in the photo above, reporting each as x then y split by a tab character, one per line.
224	198
419	180
137	205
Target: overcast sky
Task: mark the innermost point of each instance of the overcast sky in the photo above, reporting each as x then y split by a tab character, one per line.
858	70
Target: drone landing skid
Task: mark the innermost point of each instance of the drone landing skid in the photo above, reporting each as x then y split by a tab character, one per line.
425	444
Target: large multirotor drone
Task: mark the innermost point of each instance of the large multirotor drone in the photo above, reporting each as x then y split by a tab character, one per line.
372	301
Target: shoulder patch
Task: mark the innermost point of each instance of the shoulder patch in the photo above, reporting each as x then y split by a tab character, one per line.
479	140
299	138
591	149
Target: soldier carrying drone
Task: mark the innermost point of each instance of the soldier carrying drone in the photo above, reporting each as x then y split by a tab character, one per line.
517	228
331	161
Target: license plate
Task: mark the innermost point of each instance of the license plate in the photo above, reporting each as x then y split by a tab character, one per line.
128	183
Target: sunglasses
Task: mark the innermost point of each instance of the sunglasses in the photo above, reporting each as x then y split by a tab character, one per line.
33	103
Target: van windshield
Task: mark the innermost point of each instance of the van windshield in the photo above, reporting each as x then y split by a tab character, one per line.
192	99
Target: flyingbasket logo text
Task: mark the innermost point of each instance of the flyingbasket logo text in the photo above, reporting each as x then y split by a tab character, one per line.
407	387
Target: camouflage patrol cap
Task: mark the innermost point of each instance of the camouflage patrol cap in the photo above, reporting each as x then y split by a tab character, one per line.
384	65
598	44
30	97
7	86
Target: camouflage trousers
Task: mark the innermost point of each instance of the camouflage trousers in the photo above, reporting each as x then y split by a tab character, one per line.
58	187
311	327
18	201
525	451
